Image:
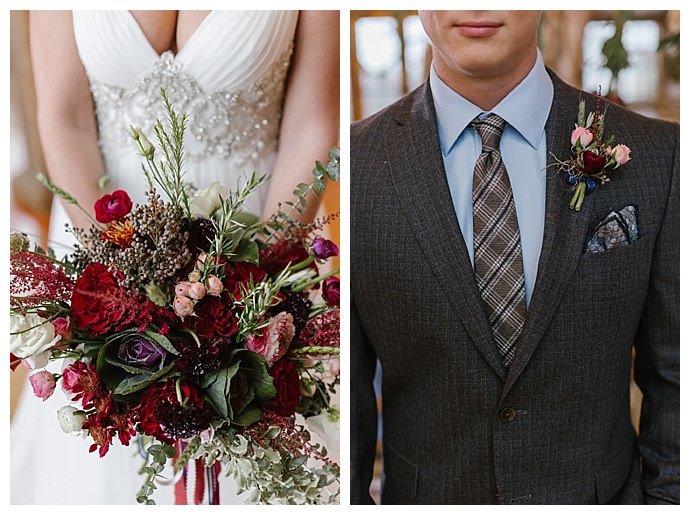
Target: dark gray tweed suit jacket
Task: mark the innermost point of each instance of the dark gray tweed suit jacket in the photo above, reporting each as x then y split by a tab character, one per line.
555	428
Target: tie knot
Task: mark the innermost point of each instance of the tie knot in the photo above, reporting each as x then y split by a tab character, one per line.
490	130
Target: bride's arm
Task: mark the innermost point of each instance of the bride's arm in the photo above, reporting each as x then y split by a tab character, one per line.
311	113
66	120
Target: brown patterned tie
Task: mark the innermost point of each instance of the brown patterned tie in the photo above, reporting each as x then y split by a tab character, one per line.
497	251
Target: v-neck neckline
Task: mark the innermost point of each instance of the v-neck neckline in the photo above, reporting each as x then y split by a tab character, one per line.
180	51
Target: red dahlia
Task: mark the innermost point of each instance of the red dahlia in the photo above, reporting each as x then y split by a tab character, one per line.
213	318
162	415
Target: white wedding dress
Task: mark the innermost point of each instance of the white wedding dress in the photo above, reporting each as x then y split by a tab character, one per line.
229	77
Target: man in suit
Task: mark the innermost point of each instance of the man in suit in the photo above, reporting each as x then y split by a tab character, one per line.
505	339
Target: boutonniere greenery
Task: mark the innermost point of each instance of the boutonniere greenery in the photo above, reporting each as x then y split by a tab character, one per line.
592	155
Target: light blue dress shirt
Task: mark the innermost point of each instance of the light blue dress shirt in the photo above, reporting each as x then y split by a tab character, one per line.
523	149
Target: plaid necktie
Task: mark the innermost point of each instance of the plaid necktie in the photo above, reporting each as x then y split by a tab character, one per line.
497	251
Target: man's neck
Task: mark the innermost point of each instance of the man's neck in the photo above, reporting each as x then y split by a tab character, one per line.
485	91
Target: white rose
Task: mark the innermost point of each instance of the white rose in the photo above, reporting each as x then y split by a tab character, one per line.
31	338
205	202
71	419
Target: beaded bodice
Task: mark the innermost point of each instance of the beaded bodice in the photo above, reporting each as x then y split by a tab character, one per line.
239	124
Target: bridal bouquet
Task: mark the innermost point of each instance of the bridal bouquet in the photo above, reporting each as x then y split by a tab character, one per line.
193	328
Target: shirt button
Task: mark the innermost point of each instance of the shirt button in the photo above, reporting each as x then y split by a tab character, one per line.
507	415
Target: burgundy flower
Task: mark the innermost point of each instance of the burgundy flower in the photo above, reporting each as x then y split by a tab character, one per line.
109	419
94	300
237	274
592	163
162	416
286	381
213	318
330	289
323	248
112	207
276	257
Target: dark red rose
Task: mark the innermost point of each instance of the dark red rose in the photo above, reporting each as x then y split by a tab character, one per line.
112	207
330	289
592	162
241	273
94	304
213	318
14	362
323	248
276	257
286	380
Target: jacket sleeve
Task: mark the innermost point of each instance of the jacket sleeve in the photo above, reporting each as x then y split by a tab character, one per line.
657	364
363	414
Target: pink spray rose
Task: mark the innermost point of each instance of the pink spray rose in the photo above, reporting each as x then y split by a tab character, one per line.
43	384
197	291
183	306
63	327
621	153
583	135
182	288
215	285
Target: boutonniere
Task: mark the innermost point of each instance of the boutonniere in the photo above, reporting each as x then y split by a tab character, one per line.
592	156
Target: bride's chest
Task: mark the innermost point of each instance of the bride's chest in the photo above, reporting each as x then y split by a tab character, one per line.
220	50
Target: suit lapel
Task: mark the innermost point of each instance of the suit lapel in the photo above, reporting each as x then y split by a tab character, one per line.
416	165
564	231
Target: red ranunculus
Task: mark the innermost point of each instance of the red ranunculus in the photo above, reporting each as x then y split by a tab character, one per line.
241	273
279	255
213	318
94	300
592	162
111	207
286	380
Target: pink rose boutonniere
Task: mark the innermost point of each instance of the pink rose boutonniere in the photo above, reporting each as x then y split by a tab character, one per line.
592	155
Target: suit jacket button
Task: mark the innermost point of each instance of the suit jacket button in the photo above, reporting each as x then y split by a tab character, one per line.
507	415
496	499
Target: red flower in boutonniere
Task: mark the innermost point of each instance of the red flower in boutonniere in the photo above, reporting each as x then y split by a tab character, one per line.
592	155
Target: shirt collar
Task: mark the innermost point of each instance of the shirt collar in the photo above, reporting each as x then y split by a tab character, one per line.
526	108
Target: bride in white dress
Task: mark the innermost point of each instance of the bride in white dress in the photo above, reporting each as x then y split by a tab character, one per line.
261	90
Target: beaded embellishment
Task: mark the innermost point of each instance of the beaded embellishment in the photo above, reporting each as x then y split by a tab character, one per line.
241	125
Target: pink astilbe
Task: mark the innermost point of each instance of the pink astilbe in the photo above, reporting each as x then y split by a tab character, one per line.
35	278
322	331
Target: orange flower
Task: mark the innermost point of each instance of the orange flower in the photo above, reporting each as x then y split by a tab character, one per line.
120	233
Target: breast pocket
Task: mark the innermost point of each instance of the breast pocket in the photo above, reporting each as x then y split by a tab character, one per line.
619	271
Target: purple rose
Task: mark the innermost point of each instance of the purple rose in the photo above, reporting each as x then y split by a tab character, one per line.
330	289
139	351
324	248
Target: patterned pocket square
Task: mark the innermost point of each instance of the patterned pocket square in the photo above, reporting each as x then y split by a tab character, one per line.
617	229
